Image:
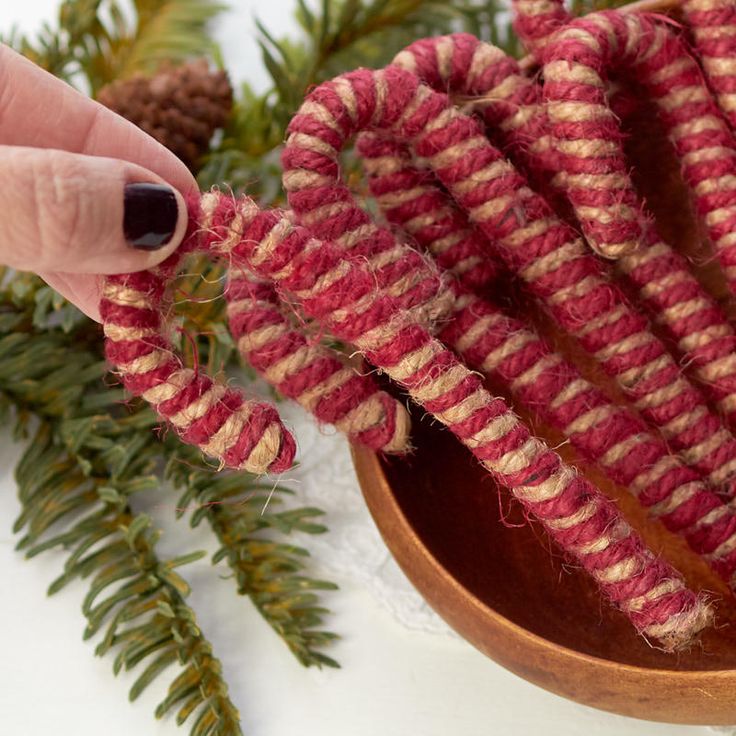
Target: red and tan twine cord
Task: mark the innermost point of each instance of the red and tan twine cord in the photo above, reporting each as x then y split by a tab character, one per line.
497	343
667	288
237	431
509	104
713	24
340	293
332	114
314	376
427	318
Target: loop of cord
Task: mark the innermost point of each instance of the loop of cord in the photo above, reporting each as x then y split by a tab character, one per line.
302	369
205	412
235	431
575	61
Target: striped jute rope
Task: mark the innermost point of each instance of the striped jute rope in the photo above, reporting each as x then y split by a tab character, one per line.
536	21
574	64
577	58
544	381
713	24
663	277
302	369
489	81
236	431
546	253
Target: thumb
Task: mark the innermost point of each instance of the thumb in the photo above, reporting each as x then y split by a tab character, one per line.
84	214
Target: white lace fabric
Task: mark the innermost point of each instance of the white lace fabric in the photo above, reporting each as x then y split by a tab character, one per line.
353	546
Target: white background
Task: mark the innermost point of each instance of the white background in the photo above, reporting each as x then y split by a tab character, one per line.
394	681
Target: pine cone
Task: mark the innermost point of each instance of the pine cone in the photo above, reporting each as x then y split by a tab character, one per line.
180	107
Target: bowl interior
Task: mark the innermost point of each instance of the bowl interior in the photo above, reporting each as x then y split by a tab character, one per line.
481	537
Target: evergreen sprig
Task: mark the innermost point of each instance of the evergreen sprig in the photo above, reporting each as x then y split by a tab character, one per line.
75	483
268	571
137	599
89	456
95	42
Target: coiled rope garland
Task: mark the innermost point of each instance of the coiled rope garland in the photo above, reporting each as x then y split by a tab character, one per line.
663	279
436	175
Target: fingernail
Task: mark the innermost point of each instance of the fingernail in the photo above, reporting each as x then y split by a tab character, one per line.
150	215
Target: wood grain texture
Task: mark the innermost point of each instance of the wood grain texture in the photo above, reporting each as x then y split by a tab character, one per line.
495	578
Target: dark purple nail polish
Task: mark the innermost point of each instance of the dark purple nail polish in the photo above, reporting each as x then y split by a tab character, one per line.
150	215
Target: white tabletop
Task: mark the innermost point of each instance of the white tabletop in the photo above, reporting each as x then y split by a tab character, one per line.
393	680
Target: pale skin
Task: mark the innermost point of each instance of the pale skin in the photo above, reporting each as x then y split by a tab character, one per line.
64	161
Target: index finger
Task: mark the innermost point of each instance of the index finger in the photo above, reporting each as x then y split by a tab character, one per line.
37	109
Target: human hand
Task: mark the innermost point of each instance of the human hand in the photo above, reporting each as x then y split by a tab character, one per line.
84	192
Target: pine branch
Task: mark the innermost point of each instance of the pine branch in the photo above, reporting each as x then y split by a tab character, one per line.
167	31
268	572
53	377
75	481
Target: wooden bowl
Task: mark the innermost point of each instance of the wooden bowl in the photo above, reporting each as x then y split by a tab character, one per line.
497	580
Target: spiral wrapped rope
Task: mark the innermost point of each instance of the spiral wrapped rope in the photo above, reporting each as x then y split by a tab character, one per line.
304	370
577	56
537	246
713	23
236	431
544	381
509	102
667	288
